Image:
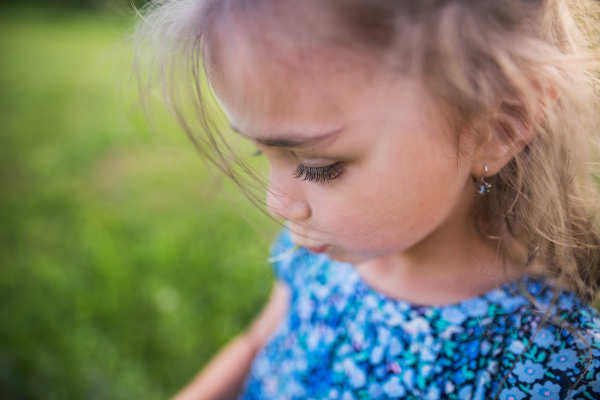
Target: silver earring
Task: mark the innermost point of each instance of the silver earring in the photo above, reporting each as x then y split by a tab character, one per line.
482	186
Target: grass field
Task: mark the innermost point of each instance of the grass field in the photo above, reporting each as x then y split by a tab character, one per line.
123	266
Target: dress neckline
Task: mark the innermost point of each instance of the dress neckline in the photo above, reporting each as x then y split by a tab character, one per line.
503	299
510	288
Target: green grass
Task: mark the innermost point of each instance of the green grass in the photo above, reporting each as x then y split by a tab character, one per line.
123	267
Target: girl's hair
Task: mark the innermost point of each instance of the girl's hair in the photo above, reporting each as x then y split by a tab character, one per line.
528	58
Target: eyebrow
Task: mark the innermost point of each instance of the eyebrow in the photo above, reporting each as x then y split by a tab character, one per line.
289	141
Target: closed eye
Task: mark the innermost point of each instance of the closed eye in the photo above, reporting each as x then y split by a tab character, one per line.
319	174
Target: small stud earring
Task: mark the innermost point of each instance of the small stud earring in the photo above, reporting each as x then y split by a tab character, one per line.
482	186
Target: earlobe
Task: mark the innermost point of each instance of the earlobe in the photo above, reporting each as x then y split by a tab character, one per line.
494	155
508	136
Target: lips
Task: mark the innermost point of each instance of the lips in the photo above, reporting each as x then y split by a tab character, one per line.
318	249
298	239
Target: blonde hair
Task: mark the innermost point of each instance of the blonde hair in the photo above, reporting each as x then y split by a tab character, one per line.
477	56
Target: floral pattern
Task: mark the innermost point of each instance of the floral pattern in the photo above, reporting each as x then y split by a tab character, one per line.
343	340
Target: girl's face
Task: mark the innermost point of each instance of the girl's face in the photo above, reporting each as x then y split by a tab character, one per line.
362	165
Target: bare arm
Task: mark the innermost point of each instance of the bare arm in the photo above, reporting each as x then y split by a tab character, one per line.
222	378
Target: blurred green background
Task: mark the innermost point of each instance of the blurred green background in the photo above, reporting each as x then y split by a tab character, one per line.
123	265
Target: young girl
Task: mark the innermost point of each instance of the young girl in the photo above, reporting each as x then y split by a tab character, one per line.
433	161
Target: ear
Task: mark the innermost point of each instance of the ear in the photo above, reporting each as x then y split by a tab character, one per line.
512	127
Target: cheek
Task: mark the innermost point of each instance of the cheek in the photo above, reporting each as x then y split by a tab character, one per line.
376	210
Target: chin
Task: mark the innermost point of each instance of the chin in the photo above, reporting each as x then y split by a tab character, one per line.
346	256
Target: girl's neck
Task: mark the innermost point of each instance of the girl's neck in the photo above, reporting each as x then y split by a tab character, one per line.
452	264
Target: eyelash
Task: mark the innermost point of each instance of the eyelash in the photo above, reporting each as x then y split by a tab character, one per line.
319	174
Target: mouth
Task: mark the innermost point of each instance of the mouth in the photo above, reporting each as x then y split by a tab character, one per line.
315	249
318	249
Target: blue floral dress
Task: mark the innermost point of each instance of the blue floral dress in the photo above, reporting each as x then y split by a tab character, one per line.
343	340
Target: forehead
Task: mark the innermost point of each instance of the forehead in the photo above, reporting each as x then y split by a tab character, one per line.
281	85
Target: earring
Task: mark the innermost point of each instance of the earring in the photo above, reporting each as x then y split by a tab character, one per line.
482	186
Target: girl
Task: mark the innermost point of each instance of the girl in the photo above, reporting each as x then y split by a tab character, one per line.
432	160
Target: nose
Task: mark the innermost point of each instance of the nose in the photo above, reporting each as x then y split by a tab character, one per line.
285	206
